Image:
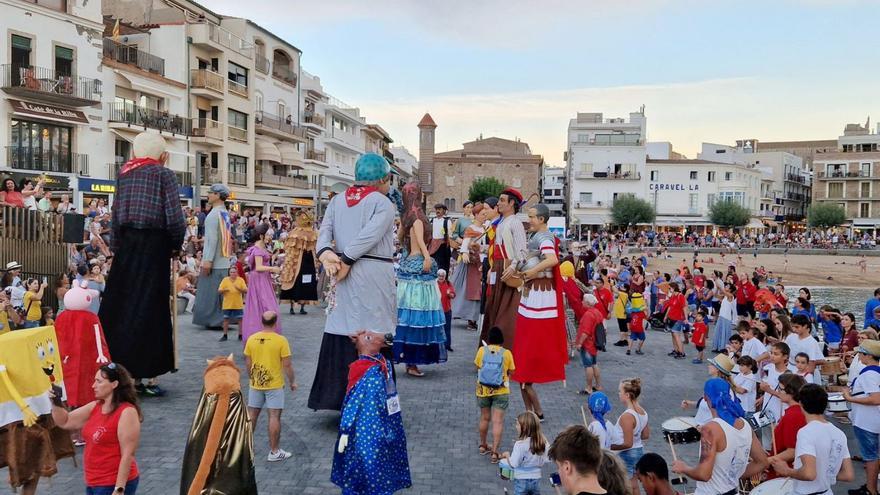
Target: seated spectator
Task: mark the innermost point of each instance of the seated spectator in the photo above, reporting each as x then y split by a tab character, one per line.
577	455
185	289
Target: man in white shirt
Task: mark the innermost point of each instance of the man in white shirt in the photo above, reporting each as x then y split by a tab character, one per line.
864	395
439	247
821	453
802	341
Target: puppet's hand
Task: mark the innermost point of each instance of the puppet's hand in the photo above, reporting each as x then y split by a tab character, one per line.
28	416
343	443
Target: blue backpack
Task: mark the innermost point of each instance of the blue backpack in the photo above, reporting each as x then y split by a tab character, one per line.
491	373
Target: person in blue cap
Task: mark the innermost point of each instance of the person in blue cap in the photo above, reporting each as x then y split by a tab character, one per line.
356	246
217	255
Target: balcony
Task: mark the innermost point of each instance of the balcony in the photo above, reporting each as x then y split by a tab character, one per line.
284	74
207	131
795	197
131	55
269	178
626	175
611	140
131	115
215	38
318	156
238	178
47	161
261	63
50	86
388	155
238	89
314	119
796	178
206	83
238	134
210	176
843	174
276	126
184	178
592	204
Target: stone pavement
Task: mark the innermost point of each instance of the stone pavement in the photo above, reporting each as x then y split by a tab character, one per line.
440	416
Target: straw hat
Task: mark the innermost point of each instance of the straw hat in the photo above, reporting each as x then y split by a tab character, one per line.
723	363
870	347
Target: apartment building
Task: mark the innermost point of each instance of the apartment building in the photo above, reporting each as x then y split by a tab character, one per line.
406	164
343	141
553	190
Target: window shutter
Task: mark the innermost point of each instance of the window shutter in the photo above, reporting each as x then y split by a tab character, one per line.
65	53
21	42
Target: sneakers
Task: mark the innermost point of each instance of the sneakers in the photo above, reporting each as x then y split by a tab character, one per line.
639	352
223	339
621	343
628	353
697	361
679	356
280	455
862	490
154	391
672	354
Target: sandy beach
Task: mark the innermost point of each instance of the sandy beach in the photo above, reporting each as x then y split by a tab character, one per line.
802	269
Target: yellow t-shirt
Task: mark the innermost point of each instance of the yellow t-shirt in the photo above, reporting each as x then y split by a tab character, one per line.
506	368
232	299
35	313
620	305
4	322
266	350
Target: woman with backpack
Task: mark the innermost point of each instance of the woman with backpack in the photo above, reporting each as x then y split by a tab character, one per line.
494	364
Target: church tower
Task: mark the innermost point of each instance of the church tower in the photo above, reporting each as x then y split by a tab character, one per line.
426	153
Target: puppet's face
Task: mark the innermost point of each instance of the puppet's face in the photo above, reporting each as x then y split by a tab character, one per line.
369	343
32	361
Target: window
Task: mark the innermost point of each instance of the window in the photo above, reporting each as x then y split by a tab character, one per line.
710	200
430	178
548	192
864	189
835	170
693	175
583	138
517	182
586	197
238	119
710	176
735	196
728	176
694	202
63	61
655	175
450	180
238	170
21	56
718	152
835	190
587	168
865	169
259	101
864	210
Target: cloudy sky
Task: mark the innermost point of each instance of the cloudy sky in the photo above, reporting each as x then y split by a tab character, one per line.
706	70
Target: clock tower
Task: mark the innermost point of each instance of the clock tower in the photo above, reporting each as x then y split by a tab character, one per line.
426	153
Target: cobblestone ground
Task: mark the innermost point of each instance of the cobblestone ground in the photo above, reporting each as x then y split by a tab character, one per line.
439	410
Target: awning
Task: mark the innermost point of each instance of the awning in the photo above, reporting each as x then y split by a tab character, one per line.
289	154
267	151
866	222
771	223
593	219
143	84
754	223
48	112
125	136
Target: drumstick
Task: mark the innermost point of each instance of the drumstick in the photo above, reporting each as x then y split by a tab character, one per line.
584	414
674	457
773	435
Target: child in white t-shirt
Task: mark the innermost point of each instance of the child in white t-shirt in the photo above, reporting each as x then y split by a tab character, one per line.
746	383
528	455
606	431
801	361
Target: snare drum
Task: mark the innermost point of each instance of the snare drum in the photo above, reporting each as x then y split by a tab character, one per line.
831	367
681	429
759	420
778	486
836	403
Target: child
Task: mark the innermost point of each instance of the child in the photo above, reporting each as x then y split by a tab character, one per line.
801	362
620	303
637	316
753	347
494	364
599	406
48	316
699	338
528	455
745	384
770	385
447	294
734	346
232	288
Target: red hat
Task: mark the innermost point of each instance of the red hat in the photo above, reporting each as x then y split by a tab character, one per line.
513	192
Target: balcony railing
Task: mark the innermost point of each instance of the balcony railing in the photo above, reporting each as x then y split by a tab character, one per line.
203	78
314	118
237	133
284	73
113	170
627	175
239	178
238	88
796	178
134	115
184	178
261	63
319	156
388	155
844	174
591	204
612	140
207	128
210	176
131	55
795	196
224	38
47	160
268	177
47	84
286	125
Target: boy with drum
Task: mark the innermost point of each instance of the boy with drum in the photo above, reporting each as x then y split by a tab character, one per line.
864	395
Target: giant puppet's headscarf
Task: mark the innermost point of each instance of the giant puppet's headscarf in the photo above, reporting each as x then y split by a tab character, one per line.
717	392
299	240
412	211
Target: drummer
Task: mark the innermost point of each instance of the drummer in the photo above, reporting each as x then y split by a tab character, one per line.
821	449
720	366
864	395
770	402
785	433
856	365
729	449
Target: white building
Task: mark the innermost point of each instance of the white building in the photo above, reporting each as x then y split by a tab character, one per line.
407	164
343	141
553	189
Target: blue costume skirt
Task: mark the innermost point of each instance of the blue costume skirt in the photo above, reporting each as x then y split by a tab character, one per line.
723	331
420	338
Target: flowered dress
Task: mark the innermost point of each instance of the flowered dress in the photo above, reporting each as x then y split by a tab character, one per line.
420	338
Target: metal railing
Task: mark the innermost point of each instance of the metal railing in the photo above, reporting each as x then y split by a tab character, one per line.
314	118
283	73
210	175
269	177
147	118
46	161
319	156
834	174
203	78
286	125
238	88
113	170
224	38
184	178
131	55
612	140
239	178
237	133
207	128
261	63
796	178
38	80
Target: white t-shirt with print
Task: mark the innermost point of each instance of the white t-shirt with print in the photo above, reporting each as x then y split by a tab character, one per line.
808	346
864	416
750	383
827	444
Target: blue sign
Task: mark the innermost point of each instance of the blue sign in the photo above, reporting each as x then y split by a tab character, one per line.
102	186
185	191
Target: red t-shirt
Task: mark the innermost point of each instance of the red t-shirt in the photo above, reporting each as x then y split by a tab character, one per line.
782	299
102	454
786	432
699	281
637	322
587	326
745	291
700	332
675	306
446	295
605	298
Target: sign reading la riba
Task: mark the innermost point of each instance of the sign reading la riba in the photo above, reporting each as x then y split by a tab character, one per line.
673	187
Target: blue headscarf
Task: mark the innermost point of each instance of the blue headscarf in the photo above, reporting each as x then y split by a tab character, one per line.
599	407
717	391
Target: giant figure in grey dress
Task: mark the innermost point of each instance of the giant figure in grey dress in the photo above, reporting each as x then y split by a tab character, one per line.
208	307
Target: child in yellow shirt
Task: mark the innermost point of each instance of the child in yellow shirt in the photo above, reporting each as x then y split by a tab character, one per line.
232	288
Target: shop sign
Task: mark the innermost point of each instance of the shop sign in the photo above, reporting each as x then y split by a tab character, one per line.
303	202
673	187
50	182
39	110
97	186
185	191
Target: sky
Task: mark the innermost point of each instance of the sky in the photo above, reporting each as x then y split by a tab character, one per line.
706	71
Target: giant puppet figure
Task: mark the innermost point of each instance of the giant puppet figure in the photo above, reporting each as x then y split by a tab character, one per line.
148	228
30	443
356	246
217	255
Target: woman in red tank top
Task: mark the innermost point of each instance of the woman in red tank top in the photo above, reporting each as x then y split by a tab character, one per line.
111	427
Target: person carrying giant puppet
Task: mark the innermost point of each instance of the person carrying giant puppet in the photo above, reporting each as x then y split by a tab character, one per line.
299	274
466	275
148	229
217	255
356	246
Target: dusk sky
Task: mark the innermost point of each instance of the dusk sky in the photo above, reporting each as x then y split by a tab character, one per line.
705	70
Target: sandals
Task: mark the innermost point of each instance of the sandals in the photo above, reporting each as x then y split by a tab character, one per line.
495	457
414	372
585	392
484	449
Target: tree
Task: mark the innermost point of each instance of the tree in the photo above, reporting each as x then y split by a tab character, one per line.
826	215
483	188
726	213
629	210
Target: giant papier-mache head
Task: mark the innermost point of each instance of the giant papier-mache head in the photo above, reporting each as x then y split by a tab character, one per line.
30	360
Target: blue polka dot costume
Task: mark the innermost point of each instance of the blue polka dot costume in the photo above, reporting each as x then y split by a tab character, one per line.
375	461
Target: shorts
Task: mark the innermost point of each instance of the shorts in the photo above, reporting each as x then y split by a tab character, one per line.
268	399
678	326
130	488
500	401
31	324
742	310
233	314
868	443
588	360
637	336
621	324
700	348
630	457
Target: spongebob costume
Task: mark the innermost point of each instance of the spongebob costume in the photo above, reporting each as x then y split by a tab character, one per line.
30	443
